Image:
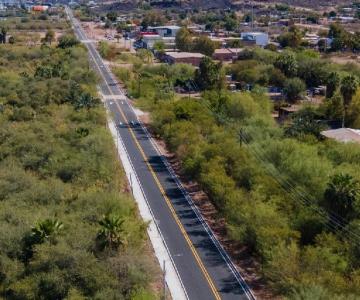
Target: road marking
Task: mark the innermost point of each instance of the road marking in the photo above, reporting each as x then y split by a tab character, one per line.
172	210
167	200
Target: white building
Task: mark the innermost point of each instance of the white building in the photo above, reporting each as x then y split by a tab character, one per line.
165	31
148	41
257	38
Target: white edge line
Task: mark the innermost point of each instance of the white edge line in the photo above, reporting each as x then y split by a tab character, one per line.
172	276
207	228
162	252
217	244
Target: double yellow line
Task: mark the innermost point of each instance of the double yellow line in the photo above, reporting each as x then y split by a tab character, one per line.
167	200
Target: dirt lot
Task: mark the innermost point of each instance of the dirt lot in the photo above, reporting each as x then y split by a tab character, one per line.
95	32
346	59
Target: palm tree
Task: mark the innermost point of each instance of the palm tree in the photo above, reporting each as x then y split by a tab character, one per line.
85	100
341	194
349	85
111	234
46	229
49	36
3	34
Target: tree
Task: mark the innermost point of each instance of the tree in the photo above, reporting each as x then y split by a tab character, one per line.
291	39
112	16
353	112
12	40
46	229
348	87
340	38
304	122
183	40
145	55
117	37
209	75
204	45
313	71
85	101
159	46
334	108
3	35
332	14
67	41
341	195
332	84
152	18
111	234
287	63
294	88
49	36
230	23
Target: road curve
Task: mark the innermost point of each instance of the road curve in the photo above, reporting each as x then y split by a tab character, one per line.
204	267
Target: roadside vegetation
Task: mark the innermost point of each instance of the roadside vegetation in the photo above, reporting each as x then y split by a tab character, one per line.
68	227
290	196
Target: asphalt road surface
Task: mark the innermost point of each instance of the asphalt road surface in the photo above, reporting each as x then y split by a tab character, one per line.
204	267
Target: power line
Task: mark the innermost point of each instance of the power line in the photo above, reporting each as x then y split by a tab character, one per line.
330	220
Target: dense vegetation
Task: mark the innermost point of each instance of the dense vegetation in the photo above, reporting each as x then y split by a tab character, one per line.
291	197
68	227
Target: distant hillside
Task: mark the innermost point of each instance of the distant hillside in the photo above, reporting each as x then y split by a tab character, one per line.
203	4
217	4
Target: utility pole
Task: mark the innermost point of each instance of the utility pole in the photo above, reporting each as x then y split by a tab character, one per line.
131	186
252	15
164	281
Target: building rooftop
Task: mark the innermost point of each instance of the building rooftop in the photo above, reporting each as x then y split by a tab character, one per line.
254	33
184	55
171	27
343	135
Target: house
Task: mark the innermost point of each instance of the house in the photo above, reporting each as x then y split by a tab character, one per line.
166	31
226	54
183	57
148	40
344	135
312	39
286	111
255	38
40	8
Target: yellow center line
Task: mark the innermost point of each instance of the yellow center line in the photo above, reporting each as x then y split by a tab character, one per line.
167	200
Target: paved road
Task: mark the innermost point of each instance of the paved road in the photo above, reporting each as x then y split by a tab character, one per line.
204	267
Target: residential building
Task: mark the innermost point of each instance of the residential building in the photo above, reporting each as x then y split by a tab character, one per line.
344	135
183	57
226	54
255	38
165	31
148	40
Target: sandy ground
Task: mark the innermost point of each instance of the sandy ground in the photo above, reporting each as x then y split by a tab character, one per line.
95	32
355	59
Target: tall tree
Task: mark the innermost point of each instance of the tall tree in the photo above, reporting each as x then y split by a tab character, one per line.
49	37
287	63
332	84
348	87
183	40
204	45
3	34
341	195
209	75
294	88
